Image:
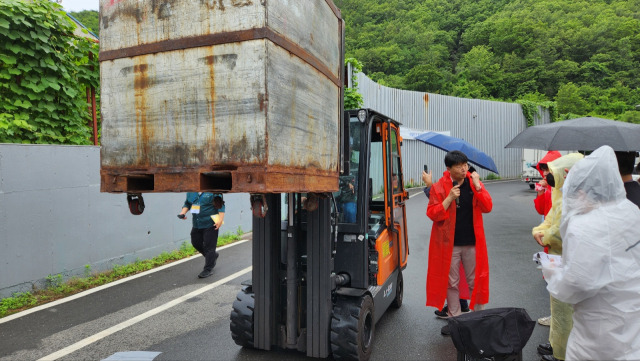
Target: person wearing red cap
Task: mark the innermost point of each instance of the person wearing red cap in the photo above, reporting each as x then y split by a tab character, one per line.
543	201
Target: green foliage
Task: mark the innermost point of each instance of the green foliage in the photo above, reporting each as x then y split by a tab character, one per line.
352	98
530	111
492	176
530	108
412	184
17	301
570	99
552	107
582	54
88	18
56	287
229	237
53	281
630	116
45	71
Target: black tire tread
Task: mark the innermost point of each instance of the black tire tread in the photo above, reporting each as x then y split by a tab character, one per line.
344	328
242	318
397	301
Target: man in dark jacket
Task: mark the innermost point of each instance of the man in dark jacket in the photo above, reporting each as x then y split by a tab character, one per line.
626	161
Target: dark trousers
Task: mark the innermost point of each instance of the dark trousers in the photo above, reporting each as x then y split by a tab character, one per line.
205	241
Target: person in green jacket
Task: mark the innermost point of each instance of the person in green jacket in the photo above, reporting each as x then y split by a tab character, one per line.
207	210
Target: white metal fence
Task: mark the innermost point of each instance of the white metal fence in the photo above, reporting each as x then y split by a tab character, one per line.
488	125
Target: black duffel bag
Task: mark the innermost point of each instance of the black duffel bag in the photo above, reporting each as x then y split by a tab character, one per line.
491	333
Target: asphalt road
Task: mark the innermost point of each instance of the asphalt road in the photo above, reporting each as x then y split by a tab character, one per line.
180	317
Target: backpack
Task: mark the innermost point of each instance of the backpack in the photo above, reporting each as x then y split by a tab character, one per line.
492	332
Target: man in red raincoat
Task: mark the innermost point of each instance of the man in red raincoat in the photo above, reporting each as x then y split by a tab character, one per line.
456	204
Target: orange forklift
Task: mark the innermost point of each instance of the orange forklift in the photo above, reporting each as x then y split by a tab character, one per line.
326	266
246	101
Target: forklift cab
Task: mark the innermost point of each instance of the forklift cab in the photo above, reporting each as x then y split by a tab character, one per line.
371	201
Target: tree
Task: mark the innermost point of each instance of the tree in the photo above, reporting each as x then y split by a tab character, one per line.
427	78
90	19
630	116
502	49
570	101
44	71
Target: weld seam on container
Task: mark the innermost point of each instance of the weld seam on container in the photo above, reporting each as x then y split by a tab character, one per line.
218	39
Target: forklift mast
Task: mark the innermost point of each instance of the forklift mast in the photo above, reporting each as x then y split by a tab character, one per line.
326	266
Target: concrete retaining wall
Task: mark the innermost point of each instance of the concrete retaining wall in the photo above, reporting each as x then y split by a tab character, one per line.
54	220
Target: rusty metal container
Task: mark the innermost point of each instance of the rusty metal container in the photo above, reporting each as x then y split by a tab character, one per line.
220	95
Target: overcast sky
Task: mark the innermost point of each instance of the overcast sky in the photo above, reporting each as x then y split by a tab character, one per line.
79	5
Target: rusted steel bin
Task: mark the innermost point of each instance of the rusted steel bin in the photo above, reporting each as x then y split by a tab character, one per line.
224	95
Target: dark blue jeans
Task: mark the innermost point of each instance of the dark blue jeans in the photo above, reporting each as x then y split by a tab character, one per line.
349	209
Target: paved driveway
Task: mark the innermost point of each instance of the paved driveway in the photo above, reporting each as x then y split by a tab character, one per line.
181	317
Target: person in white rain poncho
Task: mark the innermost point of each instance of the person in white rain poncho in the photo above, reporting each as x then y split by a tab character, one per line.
600	272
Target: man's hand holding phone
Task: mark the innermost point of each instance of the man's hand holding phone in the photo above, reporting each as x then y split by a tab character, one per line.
426	176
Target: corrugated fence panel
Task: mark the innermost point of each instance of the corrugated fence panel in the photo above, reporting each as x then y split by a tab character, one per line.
488	125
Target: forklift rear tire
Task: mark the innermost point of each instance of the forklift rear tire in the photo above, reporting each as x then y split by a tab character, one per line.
352	328
397	302
242	317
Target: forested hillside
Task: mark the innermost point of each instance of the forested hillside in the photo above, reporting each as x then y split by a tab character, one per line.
88	18
584	54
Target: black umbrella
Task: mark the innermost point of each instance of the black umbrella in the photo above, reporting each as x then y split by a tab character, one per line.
586	133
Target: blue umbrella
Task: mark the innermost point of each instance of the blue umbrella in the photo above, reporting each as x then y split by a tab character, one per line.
447	143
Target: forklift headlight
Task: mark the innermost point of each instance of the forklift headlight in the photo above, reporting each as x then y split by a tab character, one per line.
362	115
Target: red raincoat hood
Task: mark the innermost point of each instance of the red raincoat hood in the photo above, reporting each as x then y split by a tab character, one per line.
549	157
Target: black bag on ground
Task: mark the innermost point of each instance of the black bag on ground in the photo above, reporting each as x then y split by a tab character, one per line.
492	332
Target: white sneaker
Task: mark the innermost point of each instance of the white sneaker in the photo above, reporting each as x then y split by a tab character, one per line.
545	321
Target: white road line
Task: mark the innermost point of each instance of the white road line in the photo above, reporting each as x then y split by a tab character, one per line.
111	330
100	288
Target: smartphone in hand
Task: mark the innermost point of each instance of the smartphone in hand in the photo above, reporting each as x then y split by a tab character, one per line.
426	169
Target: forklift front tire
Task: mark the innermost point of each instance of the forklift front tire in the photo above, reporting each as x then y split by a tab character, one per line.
352	328
242	317
397	302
